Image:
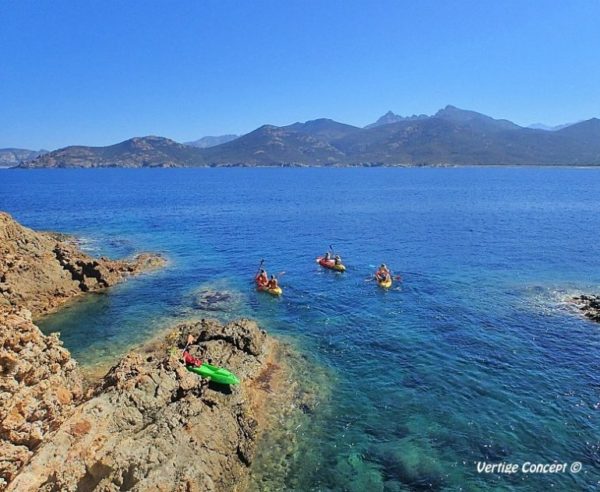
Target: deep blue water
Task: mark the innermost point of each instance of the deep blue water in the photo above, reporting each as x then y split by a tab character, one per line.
473	357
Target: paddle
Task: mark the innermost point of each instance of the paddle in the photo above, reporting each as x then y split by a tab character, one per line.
262	260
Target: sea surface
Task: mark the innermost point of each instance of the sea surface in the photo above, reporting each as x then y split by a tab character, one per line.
474	356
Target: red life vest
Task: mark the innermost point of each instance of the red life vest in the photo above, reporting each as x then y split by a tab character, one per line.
190	360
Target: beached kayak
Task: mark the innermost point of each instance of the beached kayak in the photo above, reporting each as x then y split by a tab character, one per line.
274	292
216	374
386	284
330	264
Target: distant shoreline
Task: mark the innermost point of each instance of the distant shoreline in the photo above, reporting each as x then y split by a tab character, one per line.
284	166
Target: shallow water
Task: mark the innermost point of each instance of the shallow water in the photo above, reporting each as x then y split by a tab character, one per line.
473	357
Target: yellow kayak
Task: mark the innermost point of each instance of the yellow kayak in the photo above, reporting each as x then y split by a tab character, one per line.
385	284
277	291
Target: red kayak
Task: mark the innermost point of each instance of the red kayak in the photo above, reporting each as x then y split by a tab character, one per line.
330	264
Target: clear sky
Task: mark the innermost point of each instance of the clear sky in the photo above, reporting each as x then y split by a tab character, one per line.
98	72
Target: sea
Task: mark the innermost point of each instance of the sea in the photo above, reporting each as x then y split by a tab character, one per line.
475	355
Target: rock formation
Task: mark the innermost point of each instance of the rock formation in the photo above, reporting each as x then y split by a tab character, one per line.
41	271
152	425
39	387
589	305
149	424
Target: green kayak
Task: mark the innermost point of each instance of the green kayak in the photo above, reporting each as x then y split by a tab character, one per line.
216	374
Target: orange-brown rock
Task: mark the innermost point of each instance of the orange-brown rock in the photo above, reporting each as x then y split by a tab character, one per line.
39	388
153	425
42	270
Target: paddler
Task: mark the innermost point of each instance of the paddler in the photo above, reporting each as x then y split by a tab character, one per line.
188	359
327	256
337	260
272	283
383	274
262	278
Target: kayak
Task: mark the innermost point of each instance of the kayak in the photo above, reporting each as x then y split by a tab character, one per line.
216	374
330	264
277	291
386	284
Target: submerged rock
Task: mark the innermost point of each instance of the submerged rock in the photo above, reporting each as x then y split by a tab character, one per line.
589	305
42	270
217	300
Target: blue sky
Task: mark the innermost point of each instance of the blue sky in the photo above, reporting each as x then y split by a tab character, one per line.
98	72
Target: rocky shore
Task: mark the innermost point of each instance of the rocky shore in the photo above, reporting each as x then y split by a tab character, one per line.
43	270
149	424
589	305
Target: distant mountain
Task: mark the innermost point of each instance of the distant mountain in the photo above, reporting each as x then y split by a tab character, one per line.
136	152
542	126
206	142
472	118
300	144
452	136
13	157
391	117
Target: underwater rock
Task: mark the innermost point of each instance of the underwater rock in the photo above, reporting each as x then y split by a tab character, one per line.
404	462
209	299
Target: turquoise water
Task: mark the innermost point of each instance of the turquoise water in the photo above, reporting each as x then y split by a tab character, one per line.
474	357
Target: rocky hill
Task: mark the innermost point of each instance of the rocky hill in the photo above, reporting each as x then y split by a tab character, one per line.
136	152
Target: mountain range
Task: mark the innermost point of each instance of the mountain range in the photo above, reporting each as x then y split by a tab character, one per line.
452	136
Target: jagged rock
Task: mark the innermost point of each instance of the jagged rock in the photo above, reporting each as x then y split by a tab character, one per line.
39	388
589	305
149	424
41	270
153	425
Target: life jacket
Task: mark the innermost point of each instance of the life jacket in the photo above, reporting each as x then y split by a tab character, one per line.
272	284
190	360
262	280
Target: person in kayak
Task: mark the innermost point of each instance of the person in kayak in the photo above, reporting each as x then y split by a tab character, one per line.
383	274
262	279
337	260
272	283
327	256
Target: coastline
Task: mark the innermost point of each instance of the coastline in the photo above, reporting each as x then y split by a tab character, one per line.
183	431
304	166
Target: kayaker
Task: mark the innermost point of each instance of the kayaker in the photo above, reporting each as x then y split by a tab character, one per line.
383	273
327	256
272	283
262	279
337	260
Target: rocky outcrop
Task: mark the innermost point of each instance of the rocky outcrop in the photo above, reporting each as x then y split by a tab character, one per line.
589	305
149	424
40	385
39	388
41	271
152	425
